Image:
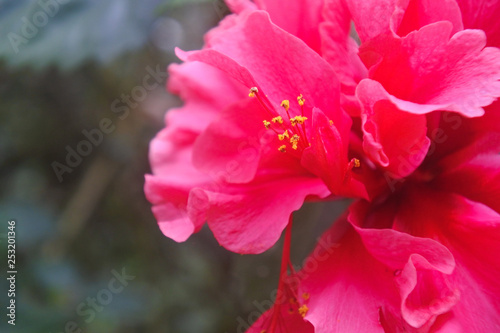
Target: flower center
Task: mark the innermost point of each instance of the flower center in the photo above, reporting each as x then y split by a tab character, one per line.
291	130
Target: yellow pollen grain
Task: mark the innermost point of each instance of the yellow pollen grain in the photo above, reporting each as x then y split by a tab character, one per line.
277	119
294	140
253	91
303	310
286	104
301	100
284	135
357	163
331	122
298	120
267	124
305	296
282	149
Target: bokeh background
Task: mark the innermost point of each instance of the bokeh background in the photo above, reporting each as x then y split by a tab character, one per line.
65	65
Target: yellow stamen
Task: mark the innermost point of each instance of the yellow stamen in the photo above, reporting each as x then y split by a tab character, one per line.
294	140
303	310
253	91
267	124
282	149
331	122
277	119
286	104
357	163
284	135
298	120
301	100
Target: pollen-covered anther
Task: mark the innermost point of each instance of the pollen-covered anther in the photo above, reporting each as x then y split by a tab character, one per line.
298	120
267	124
301	100
294	140
285	104
303	310
284	136
282	149
305	296
253	91
331	122
277	119
353	163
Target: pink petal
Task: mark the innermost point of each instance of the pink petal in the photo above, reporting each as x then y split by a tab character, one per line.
486	144
230	148
300	18
471	231
197	84
482	14
349	290
371	17
420	265
170	151
456	139
257	53
341	51
174	176
477	179
415	14
250	218
394	139
200	82
427	71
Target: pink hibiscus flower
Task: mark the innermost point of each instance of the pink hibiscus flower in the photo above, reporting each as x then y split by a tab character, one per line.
262	131
284	106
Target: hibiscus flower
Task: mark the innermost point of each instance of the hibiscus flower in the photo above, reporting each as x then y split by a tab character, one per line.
244	162
285	106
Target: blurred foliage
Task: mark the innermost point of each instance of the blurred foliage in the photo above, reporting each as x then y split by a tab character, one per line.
66	33
72	234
